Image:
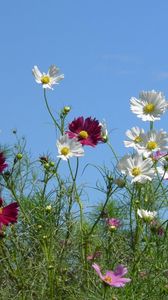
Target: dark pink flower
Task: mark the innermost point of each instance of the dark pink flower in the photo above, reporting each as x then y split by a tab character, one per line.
8	214
3	165
87	131
113	223
113	278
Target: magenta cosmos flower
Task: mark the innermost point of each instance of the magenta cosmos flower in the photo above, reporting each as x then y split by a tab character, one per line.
3	165
113	223
87	131
113	278
8	214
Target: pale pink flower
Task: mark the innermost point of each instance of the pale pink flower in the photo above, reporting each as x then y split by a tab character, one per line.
113	223
113	278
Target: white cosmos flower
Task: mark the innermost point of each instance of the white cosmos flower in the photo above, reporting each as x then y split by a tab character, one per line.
137	168
69	147
49	79
153	141
135	135
146	215
150	105
104	131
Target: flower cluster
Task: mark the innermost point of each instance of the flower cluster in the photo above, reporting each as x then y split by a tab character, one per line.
81	132
140	165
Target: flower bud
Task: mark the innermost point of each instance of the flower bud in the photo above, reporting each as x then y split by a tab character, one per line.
47	166
52	163
120	182
66	109
19	156
48	208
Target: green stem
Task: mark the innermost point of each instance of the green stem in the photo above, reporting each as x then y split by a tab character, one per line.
115	155
51	115
151	125
108	195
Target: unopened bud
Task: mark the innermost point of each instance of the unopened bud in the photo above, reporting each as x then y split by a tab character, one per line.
120	182
19	156
48	208
66	109
47	166
52	163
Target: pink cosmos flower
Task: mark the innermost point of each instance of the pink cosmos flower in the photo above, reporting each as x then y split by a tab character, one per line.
87	131
157	155
3	165
113	278
8	214
113	223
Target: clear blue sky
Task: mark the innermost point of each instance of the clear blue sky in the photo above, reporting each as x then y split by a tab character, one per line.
108	51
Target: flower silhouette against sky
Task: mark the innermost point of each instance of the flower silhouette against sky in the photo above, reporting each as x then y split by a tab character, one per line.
49	79
88	131
150	105
137	168
68	147
135	136
153	141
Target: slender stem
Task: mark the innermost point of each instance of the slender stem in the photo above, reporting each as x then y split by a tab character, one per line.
51	115
115	155
151	125
109	193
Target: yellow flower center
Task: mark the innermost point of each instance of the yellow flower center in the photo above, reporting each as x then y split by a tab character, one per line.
65	151
1	209
138	139
149	108
83	134
112	227
136	171
45	79
151	145
108	279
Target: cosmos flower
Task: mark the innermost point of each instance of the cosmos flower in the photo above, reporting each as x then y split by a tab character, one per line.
3	165
113	223
146	215
104	131
49	79
68	147
153	141
113	278
137	168
8	214
150	105
87	131
156	156
135	135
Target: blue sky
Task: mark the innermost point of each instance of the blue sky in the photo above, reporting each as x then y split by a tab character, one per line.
108	51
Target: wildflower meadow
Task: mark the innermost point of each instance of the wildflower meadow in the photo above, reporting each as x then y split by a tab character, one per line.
51	246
